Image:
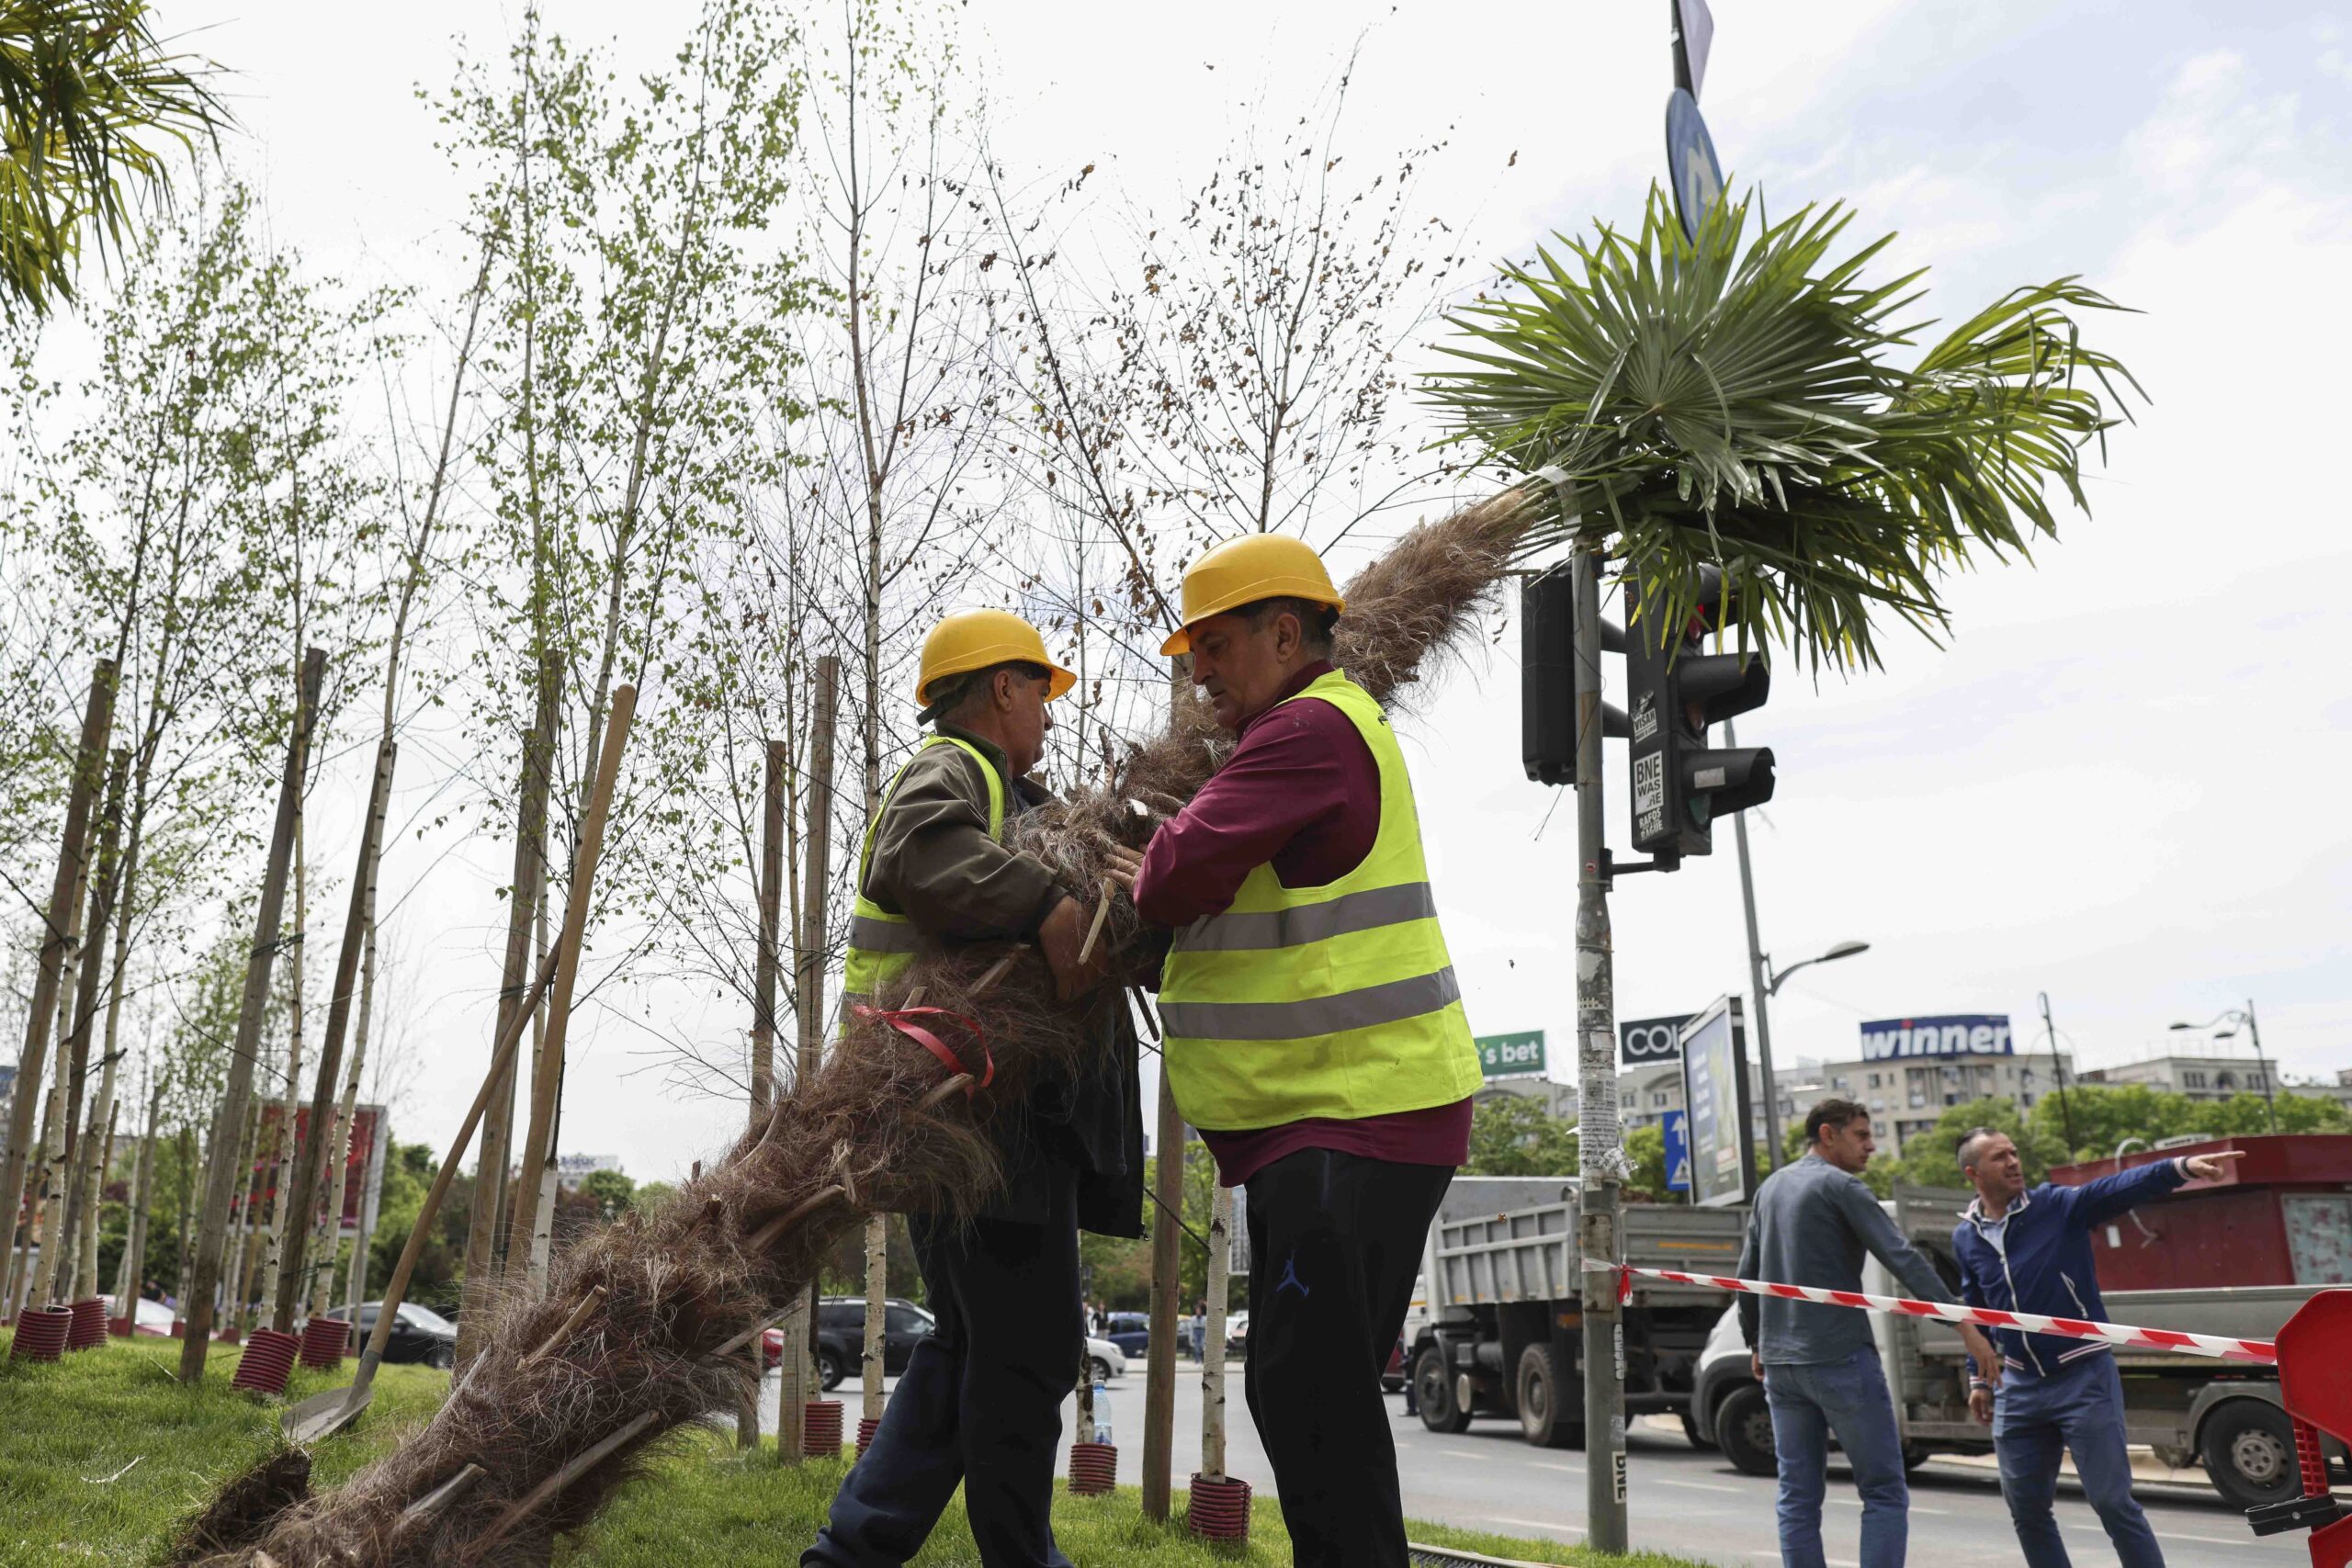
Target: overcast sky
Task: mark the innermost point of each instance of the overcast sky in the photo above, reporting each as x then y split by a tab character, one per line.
2118	783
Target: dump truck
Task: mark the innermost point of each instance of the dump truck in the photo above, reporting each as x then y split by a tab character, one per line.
1501	1334
2264	1241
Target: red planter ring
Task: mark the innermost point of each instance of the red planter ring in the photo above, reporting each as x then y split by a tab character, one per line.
821	1429
89	1330
867	1427
121	1327
1093	1468
41	1334
230	1335
325	1339
1218	1509
269	1358
179	1328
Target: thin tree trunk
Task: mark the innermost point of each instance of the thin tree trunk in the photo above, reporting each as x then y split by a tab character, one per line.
185	1193
525	917
800	1380
21	1278
363	1244
98	719
49	1191
765	964
104	868
315	1148
219	1181
339	1151
285	1148
538	1143
241	1217
1213	1331
143	1192
101	1151
1167	1236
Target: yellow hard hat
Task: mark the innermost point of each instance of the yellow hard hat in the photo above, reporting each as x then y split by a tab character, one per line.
1244	571
974	639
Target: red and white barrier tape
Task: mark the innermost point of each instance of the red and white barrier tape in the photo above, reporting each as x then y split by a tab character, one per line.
2221	1346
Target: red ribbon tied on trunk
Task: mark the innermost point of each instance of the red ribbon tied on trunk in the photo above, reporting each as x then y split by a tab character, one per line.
902	1020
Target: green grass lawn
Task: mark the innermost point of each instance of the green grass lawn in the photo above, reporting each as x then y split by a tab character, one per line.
67	1432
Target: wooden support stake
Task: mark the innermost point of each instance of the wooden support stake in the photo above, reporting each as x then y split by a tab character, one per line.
562	1335
548	1084
547	1490
767	1234
1101	913
947	1092
221	1182
440	1497
315	1148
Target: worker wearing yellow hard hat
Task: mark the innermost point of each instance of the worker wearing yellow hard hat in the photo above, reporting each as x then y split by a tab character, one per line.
980	1402
1312	1028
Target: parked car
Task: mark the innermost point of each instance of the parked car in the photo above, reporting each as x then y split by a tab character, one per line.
1130	1331
1237	1333
1104	1359
153	1317
419	1333
841	1335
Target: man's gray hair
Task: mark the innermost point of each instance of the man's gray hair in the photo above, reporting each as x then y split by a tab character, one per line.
1971	1140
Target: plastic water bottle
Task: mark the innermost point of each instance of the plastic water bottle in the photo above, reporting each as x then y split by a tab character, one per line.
1101	1416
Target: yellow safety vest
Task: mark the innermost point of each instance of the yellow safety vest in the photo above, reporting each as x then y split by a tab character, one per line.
1331	1001
881	944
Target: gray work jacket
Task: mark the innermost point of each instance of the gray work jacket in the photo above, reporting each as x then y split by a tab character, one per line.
1810	1227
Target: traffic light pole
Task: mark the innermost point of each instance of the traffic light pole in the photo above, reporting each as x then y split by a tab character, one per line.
1602	1158
1760	981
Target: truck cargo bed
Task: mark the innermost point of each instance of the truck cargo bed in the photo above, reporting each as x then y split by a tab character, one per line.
1504	1239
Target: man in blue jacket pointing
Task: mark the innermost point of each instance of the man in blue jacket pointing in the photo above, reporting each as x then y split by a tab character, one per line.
2023	1251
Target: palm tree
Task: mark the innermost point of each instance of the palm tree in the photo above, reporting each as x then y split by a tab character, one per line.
90	105
1735	405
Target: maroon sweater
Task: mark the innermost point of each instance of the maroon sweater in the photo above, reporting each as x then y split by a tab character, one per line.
1302	793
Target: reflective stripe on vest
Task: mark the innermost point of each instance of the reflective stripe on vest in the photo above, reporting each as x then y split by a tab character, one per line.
1331	1001
882	944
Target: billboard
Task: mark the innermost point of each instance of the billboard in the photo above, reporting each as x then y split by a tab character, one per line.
1508	1055
1719	1121
1950	1035
364	1173
1645	1040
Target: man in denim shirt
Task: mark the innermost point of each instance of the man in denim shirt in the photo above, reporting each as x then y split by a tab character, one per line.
1812	1222
2023	1251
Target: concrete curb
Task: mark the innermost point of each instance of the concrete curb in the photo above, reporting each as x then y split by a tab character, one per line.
1453	1557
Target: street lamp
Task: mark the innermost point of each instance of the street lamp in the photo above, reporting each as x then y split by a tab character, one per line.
1768	982
2254	1032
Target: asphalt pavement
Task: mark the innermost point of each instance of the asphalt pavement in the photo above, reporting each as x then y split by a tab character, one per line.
1682	1500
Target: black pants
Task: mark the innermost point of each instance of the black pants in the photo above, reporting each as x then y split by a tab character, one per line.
1335	1240
979	1403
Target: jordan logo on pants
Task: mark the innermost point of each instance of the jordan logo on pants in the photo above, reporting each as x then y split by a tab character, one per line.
1290	1279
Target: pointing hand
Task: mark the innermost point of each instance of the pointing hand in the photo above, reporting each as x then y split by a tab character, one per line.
2212	1167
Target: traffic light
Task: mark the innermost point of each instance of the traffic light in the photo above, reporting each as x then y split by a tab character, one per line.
1548	677
1680	785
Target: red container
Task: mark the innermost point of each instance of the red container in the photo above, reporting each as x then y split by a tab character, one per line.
821	1429
325	1339
867	1427
269	1358
2282	1216
1218	1509
179	1328
1093	1468
121	1327
89	1330
41	1334
230	1335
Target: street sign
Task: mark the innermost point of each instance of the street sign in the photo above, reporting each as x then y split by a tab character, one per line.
1953	1034
1678	1150
1715	1093
1694	31
1647	1040
1690	166
1511	1056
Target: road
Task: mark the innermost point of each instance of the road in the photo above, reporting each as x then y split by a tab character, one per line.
1683	1501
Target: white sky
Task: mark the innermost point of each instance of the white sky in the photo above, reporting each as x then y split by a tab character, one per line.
2112	786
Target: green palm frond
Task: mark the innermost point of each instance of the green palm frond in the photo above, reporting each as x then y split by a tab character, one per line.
1752	405
91	110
